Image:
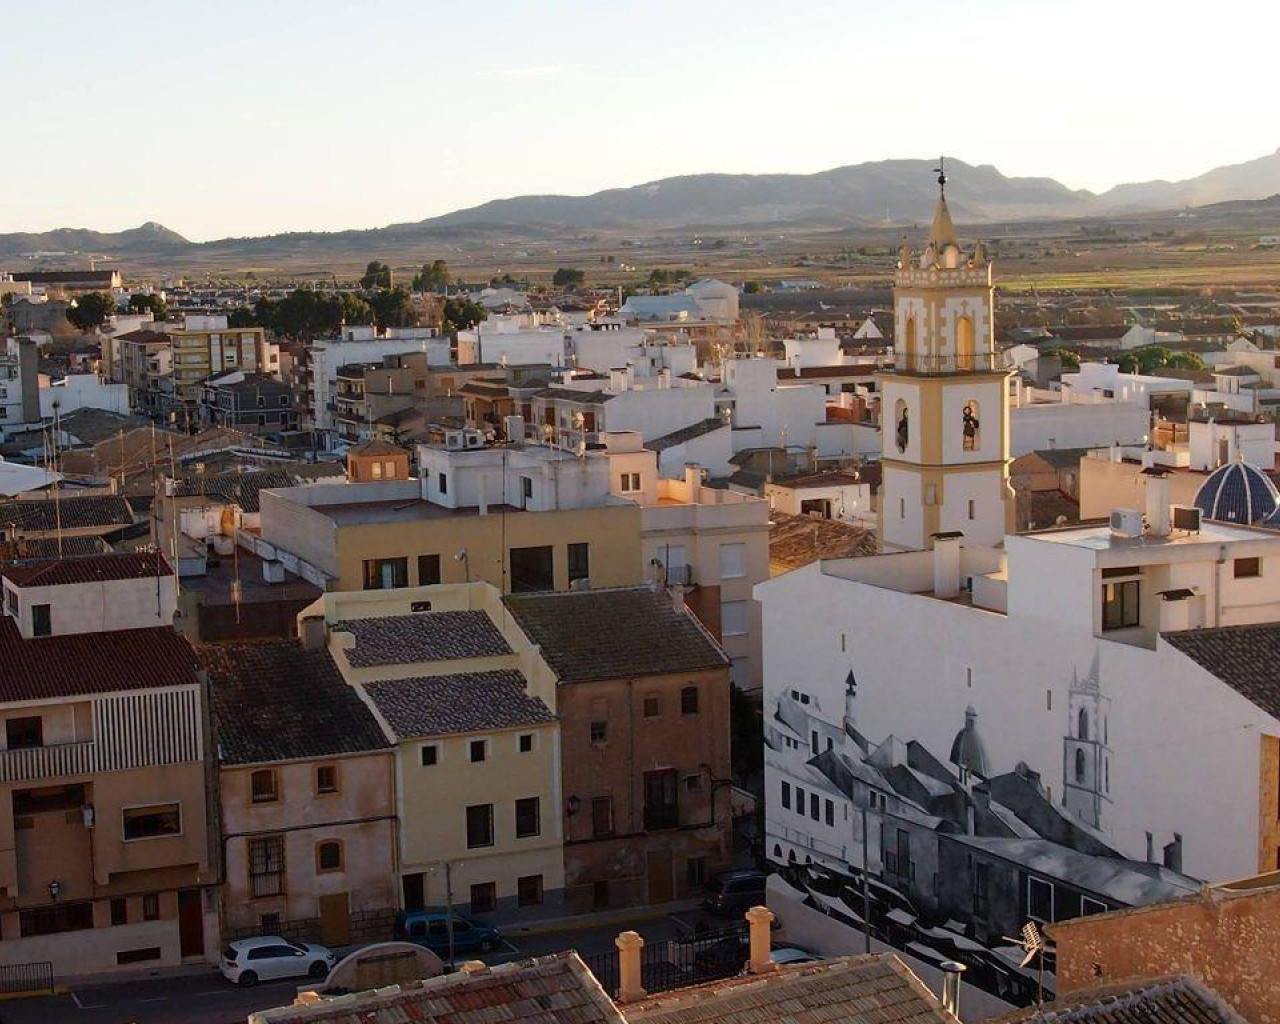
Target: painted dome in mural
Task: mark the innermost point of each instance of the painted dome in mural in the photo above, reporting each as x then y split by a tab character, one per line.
1238	493
967	749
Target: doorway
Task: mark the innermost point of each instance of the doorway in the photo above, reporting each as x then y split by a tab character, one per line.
661	882
335	919
190	923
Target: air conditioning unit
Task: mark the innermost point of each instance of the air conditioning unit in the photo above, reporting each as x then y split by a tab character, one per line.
473	439
1126	522
453	440
1186	517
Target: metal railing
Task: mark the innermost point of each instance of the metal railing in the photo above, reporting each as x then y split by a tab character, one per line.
677	963
926	362
32	977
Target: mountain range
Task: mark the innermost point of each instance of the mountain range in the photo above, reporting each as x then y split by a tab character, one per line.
873	194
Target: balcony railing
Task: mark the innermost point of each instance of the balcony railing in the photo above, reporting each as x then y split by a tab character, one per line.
930	363
26	763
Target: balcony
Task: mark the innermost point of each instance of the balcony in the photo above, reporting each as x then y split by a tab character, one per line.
33	763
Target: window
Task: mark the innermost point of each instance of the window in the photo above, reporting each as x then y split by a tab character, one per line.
442	483
653	707
1080	766
629	482
1040	900
689	700
327	778
61	917
661	800
385	573
830	809
981	888
599	731
375	470
152	822
528	817
602	816
428	570
973	510
1120	604
733	561
479	826
786	796
695	871
151	906
119	911
484	898
814	808
21	733
40	620
526	742
389	468
477	750
1247	568
529	891
264	787
430	755
733	618
1082	724
532	569
800	800
266	866
526	491
579	562
1088	906
328	856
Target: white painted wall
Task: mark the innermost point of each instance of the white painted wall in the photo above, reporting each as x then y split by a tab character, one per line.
99	606
1076	425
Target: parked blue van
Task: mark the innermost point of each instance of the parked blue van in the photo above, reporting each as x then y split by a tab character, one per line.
430	928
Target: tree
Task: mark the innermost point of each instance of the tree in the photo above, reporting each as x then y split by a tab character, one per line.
461	314
140	303
434	277
242	316
1070	360
752	288
392	308
568	277
1185	361
376	275
1146	359
305	314
91	310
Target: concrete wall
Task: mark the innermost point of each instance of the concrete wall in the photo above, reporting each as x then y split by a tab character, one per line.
1064	425
99	606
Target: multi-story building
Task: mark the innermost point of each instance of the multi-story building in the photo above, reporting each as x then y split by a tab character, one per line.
308	812
365	392
246	401
642	697
19	383
711	542
522	517
204	346
107	857
477	743
146	367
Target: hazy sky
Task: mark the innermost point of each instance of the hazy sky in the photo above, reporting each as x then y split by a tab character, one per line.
236	118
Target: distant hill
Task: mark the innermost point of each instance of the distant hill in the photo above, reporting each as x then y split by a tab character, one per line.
859	195
1254	179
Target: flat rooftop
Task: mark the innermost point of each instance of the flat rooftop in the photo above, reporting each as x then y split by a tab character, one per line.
1100	537
403	510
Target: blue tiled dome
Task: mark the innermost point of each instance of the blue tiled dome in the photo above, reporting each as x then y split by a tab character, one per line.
1238	493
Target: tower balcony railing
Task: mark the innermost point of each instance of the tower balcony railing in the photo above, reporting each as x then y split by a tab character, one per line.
933	363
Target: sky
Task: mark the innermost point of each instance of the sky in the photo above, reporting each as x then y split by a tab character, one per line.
246	118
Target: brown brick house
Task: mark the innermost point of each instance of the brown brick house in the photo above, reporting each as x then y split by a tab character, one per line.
642	691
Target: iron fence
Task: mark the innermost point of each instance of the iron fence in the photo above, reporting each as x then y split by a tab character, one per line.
33	977
676	963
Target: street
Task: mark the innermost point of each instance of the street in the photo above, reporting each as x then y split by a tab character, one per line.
204	997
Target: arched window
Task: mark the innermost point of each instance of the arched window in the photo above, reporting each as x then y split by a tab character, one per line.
1082	724
971	426
909	338
777	852
964	343
1080	768
791	856
902	425
328	856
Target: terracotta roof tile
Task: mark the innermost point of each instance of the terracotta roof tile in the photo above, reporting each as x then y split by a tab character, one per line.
425	636
1181	1000
46	514
1243	657
92	569
449	704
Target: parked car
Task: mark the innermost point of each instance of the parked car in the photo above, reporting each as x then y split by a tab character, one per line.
793	955
735	892
430	928
268	957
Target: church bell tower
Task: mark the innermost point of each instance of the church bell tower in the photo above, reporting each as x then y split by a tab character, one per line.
944	411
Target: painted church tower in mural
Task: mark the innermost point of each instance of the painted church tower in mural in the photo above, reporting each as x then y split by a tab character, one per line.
944	407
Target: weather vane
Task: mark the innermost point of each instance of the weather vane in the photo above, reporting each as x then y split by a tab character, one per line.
942	175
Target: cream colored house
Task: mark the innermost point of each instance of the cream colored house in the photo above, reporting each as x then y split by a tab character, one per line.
469	708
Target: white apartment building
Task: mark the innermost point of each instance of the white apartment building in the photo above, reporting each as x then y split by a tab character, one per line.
507	340
123	591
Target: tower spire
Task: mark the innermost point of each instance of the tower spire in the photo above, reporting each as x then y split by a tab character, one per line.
943	232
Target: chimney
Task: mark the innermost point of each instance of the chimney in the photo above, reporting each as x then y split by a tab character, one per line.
951	972
312	632
1157	488
692	479
760	919
629	988
946	564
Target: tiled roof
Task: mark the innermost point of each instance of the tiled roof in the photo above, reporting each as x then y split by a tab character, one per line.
689	433
376	447
94	569
426	636
851	990
84	663
1243	657
799	540
556	989
274	701
43	548
470	702
1181	1000
243	489
46	514
615	633
574	395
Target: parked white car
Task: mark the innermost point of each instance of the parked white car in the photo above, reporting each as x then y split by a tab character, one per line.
268	957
